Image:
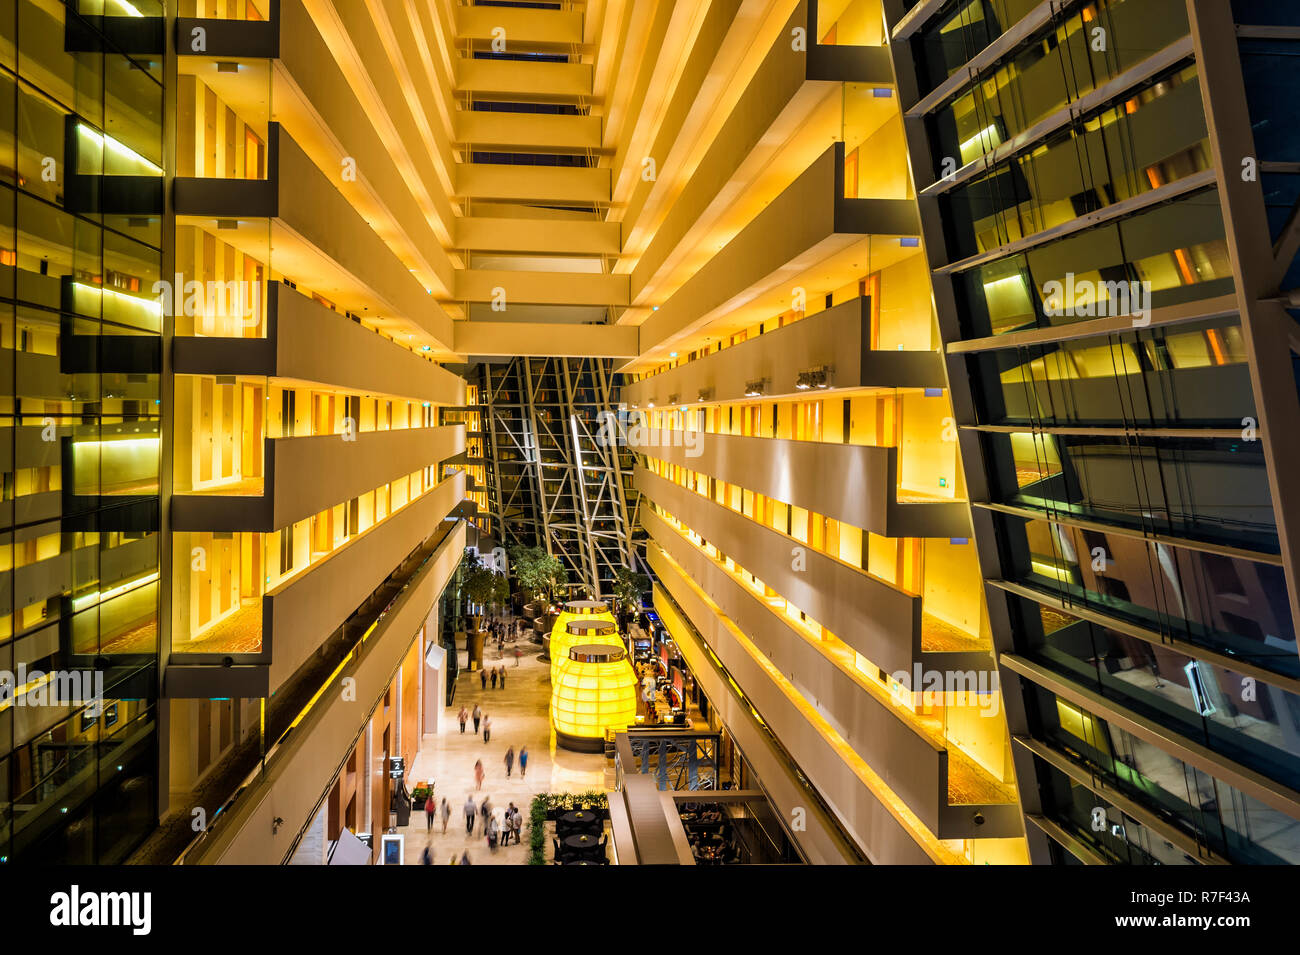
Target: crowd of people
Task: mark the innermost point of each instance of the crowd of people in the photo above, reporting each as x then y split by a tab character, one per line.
496	827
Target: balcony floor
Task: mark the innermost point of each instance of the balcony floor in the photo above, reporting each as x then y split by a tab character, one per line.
240	632
939	636
141	639
244	487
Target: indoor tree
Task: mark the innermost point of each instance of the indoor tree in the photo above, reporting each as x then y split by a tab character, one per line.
626	590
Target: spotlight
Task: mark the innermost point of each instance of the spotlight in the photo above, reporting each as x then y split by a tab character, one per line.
813	378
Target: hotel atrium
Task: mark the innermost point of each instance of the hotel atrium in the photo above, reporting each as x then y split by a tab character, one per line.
860	432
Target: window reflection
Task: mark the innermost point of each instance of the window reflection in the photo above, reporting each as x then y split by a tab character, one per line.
1233	824
1231	605
1211	489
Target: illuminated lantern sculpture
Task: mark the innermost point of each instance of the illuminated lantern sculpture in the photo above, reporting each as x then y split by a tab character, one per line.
576	610
594	692
581	630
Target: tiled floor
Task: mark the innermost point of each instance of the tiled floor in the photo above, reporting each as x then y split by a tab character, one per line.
519	718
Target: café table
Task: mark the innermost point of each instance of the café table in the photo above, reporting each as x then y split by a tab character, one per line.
583	842
580	819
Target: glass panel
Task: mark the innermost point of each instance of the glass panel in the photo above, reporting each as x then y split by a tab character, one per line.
1098	823
1155	137
1193	374
1233	824
1055	67
1248	721
1168	255
1212	489
1232	605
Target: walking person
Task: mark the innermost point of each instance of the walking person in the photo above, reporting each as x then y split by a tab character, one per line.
487	727
478	715
494	678
471	811
523	761
518	653
445	812
431	809
493	831
510	761
485	811
482	677
462	716
503	677
478	774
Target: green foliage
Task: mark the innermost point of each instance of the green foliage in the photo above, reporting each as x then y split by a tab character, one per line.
628	587
485	587
537	572
567	802
544	803
537	831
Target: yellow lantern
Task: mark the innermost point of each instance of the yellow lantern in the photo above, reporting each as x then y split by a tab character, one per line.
577	610
582	610
592	630
595	691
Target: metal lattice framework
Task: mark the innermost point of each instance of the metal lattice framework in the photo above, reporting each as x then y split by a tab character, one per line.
554	480
678	760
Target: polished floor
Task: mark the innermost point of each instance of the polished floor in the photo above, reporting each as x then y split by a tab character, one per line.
519	718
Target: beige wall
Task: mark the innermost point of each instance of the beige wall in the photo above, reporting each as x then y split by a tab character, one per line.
304	768
297	617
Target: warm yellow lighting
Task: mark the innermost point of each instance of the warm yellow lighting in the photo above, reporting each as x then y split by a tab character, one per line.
595	692
85	600
581	610
583	630
112	145
147	313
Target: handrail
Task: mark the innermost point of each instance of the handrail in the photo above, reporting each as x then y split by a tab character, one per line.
818	803
260	770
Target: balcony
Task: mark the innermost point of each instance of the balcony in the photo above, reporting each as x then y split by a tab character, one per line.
297	617
838	339
523	26
809	221
304	476
318	235
878	620
865	494
302	764
305	341
943	786
559	185
208	36
524	80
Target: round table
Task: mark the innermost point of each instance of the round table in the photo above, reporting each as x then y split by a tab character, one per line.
583	841
580	819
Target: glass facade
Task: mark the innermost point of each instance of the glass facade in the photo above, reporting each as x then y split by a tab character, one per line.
1130	502
81	190
1226	820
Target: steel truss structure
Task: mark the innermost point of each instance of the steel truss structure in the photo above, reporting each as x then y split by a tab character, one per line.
554	478
677	759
